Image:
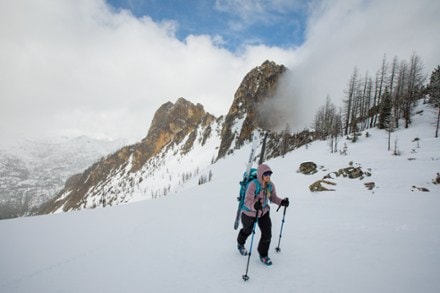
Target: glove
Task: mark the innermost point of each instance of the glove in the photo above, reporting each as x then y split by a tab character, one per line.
285	202
258	206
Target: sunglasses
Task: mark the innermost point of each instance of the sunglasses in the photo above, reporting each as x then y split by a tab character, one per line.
268	173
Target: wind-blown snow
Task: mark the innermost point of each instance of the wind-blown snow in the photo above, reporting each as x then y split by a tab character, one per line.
349	240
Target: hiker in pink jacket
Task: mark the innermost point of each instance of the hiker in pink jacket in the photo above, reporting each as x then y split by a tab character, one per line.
258	195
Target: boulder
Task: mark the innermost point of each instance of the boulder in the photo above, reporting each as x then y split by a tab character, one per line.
370	185
308	168
317	186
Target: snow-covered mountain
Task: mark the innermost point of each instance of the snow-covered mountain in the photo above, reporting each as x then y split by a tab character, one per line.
182	140
152	168
34	170
383	236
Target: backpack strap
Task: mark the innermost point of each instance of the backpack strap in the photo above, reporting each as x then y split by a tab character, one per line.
257	186
243	192
268	190
243	189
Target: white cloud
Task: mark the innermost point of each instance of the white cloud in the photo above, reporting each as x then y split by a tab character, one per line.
77	66
343	34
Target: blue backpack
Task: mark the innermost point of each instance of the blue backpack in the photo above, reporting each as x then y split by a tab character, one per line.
244	185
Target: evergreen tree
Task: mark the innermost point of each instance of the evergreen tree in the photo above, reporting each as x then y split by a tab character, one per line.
434	85
402	80
381	77
385	111
434	93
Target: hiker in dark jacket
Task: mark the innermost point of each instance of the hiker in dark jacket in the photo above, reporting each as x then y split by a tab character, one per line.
258	204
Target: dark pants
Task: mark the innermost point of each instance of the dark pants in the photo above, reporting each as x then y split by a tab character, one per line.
265	225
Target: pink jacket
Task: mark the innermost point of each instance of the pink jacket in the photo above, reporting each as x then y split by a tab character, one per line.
266	194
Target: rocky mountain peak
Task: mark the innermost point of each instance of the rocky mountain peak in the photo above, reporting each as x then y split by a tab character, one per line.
175	130
257	86
170	125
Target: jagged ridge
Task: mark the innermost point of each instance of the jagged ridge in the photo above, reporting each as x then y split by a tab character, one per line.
114	179
138	171
257	86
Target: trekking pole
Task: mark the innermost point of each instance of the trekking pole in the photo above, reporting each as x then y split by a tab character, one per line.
245	276
278	249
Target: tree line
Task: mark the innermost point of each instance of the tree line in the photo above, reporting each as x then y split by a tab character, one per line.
382	100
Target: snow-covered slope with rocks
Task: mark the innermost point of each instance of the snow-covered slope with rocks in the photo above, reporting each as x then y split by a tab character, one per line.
180	134
34	170
349	240
164	174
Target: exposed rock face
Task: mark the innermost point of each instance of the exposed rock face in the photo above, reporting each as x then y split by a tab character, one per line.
170	125
257	86
175	128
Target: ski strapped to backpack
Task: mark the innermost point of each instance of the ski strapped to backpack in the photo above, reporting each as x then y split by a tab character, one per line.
249	176
246	175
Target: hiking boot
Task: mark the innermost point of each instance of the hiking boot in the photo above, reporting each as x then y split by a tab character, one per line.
242	249
266	260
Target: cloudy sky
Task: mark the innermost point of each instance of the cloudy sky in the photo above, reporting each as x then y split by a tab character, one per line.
101	68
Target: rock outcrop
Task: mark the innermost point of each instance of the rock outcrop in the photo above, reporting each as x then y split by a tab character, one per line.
243	117
174	130
172	123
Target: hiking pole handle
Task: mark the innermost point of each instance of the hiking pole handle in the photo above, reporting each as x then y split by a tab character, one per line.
281	206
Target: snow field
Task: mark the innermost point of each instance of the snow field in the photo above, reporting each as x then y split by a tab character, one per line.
349	240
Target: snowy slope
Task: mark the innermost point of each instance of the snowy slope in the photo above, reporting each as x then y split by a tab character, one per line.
167	172
34	170
349	240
